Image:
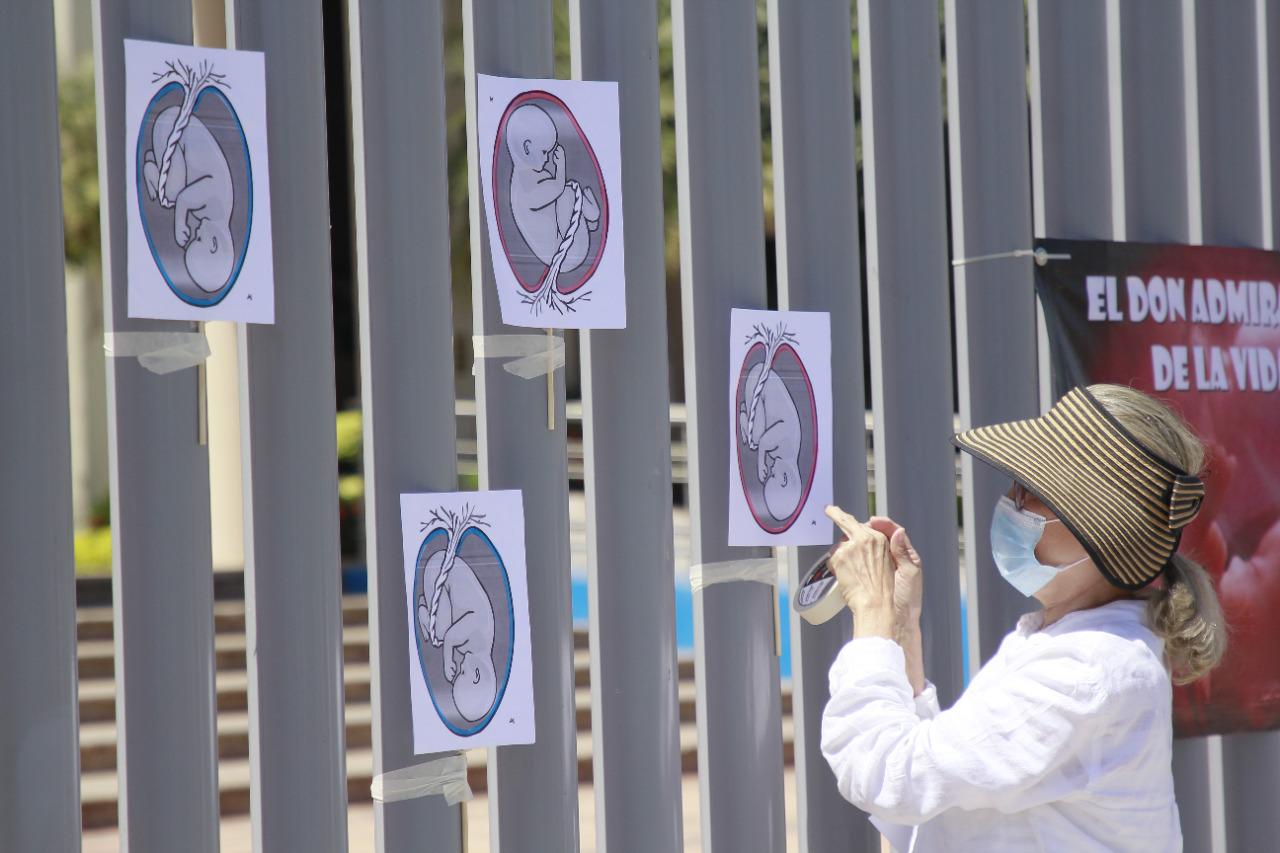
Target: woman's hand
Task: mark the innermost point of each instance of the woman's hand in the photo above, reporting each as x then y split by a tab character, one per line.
908	596
863	568
908	575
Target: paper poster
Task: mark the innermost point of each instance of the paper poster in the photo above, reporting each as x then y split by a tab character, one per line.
470	675
199	202
551	169
779	428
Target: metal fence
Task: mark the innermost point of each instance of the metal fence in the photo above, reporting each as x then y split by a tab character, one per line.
1069	118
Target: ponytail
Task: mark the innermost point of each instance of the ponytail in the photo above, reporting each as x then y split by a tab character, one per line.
1185	613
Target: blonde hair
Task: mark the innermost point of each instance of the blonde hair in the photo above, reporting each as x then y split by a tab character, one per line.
1183	610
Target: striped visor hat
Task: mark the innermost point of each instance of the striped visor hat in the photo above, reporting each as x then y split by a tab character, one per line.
1125	504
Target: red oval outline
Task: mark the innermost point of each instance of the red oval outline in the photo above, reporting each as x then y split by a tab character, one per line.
531	95
813	408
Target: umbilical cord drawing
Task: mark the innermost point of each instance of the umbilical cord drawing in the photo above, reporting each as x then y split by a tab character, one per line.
194	182
464	641
777	427
549	190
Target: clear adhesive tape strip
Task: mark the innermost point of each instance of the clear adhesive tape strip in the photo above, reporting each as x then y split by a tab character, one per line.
447	776
761	570
159	352
533	355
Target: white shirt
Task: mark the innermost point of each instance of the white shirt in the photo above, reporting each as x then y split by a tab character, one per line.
1061	742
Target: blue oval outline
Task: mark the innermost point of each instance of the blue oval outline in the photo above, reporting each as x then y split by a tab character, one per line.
511	646
146	229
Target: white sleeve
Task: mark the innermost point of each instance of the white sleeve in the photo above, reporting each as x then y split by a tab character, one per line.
927	702
1023	739
898	835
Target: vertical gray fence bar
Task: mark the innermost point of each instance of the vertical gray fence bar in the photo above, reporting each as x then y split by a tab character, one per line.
1070	132
1071	143
1236	209
1234	198
406	353
533	790
1154	77
635	717
994	302
297	755
909	310
40	781
722	267
816	232
162	581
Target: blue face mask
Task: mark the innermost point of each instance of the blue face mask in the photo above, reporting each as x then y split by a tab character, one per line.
1014	536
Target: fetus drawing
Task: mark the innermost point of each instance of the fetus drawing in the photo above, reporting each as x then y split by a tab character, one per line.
772	429
194	182
777	428
465	627
549	208
551	201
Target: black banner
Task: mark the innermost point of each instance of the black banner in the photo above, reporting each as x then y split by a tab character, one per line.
1198	327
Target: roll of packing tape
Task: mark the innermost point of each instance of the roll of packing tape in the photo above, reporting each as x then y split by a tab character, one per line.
818	599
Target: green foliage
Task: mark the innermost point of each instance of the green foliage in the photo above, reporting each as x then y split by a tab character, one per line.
351	488
77	119
100	512
350	437
93	551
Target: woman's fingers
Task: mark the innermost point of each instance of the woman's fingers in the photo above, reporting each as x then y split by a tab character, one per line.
883	525
862	564
900	547
867	543
899	543
850	525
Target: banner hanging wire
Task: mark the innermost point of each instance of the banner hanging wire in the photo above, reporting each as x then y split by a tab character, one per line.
1040	255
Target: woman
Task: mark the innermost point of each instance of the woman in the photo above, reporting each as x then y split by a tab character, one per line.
1062	741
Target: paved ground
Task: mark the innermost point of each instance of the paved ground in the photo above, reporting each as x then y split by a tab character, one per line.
235	830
